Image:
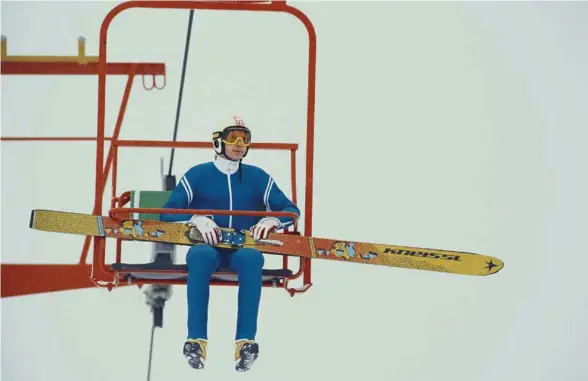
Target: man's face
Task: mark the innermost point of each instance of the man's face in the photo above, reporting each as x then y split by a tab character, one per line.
235	144
235	152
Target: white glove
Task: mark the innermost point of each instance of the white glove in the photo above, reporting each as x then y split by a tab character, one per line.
263	227
207	227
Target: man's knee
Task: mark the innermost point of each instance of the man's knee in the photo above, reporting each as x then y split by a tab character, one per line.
202	255
247	258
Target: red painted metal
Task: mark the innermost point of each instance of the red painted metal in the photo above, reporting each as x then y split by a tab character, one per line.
28	279
205	5
188	144
100	270
100	273
119	212
74	68
50	138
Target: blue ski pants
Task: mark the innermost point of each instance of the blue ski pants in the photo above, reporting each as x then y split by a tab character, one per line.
202	261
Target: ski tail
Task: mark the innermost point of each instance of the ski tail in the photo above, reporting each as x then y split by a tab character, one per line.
66	222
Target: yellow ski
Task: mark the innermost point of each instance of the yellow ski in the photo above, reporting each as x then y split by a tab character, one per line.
454	262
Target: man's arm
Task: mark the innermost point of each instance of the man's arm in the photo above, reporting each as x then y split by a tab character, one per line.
275	200
180	198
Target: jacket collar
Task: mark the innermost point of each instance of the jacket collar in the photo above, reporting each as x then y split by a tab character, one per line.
226	166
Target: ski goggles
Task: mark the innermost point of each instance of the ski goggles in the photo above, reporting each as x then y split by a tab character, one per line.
232	136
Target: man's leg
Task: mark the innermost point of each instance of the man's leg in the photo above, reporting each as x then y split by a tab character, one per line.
202	261
248	263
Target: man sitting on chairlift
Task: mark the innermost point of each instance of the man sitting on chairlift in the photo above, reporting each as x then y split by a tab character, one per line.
227	184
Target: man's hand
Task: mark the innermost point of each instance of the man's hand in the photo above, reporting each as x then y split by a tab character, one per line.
207	227
263	227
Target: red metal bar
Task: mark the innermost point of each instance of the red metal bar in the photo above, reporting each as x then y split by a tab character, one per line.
114	151
100	272
117	127
85	250
188	144
26	279
179	282
74	68
293	176
294	195
118	251
301	269
306	279
114	172
114	138
50	138
310	135
215	212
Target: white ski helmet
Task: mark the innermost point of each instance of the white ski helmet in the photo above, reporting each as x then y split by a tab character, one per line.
219	138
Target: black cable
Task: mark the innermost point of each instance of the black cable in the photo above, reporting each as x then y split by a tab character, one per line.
157	313
150	353
187	48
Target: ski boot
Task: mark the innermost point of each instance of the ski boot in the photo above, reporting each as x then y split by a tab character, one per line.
246	352
195	352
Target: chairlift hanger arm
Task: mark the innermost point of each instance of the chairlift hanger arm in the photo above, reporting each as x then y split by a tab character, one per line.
274	6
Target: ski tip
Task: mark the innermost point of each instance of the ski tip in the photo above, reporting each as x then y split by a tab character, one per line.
492	266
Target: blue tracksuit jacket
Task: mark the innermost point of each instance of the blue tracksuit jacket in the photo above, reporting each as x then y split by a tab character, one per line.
204	186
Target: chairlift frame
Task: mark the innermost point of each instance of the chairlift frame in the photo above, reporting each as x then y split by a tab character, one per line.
107	275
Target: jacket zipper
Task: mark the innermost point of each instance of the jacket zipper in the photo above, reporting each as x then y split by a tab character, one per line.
230	200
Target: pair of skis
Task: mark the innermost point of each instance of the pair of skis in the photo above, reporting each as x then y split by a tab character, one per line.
454	262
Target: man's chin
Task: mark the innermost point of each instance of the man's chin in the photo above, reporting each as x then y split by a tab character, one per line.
235	157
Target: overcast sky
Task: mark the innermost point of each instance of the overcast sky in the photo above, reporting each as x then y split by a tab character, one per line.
458	126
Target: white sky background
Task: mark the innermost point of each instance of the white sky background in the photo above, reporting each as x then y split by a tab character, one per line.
472	117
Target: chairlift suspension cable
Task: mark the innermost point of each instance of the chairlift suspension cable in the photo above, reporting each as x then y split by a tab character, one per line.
150	353
186	49
157	311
